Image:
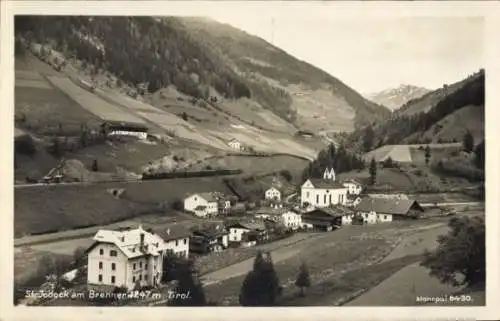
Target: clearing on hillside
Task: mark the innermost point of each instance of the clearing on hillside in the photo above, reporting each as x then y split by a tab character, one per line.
409	153
92	103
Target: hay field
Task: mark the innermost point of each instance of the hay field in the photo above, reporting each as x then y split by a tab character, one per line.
125	101
42	209
46	109
183	129
92	103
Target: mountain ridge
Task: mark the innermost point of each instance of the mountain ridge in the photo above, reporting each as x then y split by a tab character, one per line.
394	98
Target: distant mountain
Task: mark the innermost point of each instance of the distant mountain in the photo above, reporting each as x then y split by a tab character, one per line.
394	98
440	116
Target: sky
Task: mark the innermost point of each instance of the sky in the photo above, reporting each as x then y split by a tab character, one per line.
376	53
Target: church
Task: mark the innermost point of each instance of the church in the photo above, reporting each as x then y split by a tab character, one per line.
323	192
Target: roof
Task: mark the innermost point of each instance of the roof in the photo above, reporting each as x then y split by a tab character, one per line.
325	183
129	241
275	188
352	180
210	231
274	211
172	232
387	205
209	196
249	225
125	125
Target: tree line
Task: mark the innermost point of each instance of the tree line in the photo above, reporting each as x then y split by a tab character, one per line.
338	158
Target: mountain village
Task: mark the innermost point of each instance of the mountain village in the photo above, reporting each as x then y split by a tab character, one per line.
131	194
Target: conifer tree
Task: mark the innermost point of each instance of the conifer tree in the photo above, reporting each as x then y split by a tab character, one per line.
373	172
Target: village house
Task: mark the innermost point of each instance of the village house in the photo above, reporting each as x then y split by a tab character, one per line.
176	240
125	258
208	239
327	219
353	186
291	219
353	200
249	233
234	144
377	210
273	194
206	204
116	128
322	193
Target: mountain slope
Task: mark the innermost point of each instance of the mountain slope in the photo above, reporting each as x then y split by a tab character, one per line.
435	117
210	61
394	98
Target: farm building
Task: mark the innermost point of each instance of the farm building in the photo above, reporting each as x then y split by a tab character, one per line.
290	218
249	233
234	144
325	219
176	240
206	204
113	128
208	239
125	258
322	193
375	210
273	194
354	187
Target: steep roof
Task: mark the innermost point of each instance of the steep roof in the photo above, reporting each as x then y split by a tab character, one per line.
250	225
387	205
128	241
210	196
325	183
174	232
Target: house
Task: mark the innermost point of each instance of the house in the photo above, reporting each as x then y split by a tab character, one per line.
273	194
322	193
208	239
291	219
255	231
354	187
375	210
176	240
125	258
329	174
116	128
323	219
353	200
206	204
234	144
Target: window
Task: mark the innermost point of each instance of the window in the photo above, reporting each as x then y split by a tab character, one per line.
101	251
133	267
100	265
185	241
176	242
140	277
113	279
385	217
140	265
330	200
133	278
113	253
324	199
100	277
307	194
113	266
145	277
146	266
317	198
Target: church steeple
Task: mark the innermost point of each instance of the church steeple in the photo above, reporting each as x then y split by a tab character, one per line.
329	174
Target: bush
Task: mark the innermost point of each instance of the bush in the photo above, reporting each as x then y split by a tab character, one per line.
286	175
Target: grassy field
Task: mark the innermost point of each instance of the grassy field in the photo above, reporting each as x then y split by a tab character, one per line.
26	262
340	253
92	103
43	209
45	109
255	165
414	154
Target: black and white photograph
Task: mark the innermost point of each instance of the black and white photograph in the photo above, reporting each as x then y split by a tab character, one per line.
244	159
